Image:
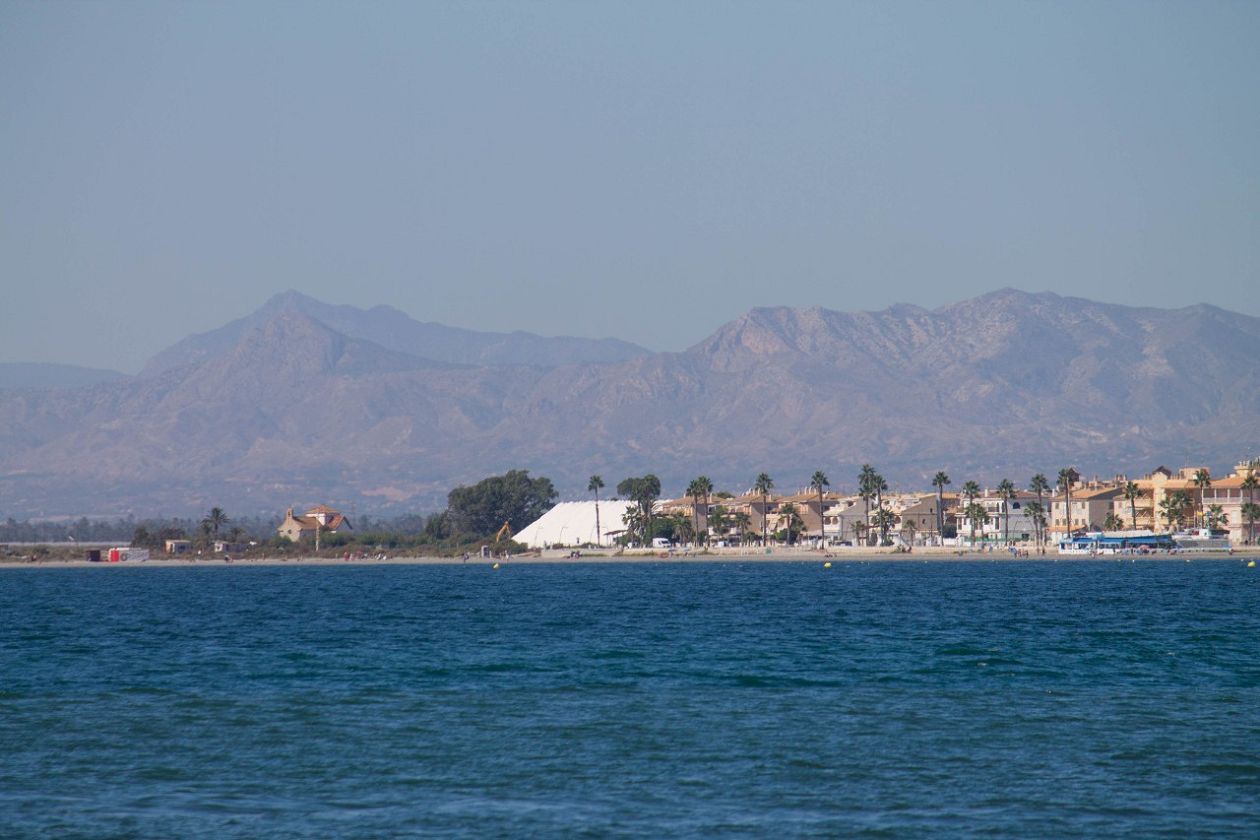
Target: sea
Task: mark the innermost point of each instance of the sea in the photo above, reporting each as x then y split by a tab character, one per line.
707	699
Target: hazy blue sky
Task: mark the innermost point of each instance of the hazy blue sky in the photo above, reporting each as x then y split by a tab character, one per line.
644	170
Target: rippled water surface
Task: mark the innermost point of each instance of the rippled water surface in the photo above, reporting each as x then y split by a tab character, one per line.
872	699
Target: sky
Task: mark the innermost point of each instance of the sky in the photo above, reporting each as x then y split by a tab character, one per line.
644	170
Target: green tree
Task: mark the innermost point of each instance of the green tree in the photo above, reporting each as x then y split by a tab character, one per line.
762	486
939	481
1249	485
871	486
1006	492
643	491
975	513
1176	507
859	530
479	511
882	520
867	480
970	491
908	530
743	524
1250	513
1131	494
719	522
1202	480
885	519
1216	517
819	482
1067	477
791	522
594	486
1040	485
1112	522
214	520
699	490
1037	512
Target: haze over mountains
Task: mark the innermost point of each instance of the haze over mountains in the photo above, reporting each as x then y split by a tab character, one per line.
367	409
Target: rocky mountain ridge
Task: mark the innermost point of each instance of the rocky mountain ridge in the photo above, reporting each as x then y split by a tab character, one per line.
297	411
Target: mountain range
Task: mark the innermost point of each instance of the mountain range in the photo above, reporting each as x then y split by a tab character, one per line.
304	402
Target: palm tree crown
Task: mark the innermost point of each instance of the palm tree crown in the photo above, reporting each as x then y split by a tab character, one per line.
594	486
939	481
819	482
1006	492
1068	477
215	520
763	485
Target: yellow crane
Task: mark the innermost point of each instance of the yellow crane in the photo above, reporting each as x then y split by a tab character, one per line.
504	533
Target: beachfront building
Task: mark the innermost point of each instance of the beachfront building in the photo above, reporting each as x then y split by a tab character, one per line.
998	526
1230	495
916	517
1090	505
316	520
839	514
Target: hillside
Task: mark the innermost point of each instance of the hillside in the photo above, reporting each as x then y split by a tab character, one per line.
296	410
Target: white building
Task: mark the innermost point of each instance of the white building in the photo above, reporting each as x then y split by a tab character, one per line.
1018	528
573	524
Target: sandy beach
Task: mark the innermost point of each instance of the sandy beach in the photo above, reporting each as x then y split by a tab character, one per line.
562	557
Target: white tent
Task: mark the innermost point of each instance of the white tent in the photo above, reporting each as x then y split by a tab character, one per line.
573	523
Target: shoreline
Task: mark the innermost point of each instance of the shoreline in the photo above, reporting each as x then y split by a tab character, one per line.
561	558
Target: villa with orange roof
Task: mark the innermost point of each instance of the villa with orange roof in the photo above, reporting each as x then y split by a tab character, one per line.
308	526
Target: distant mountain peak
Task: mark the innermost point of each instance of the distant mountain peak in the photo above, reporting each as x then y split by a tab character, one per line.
396	331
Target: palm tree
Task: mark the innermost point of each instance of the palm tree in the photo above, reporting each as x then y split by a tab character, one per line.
1006	492
970	490
706	487
1249	484
1216	516
859	530
718	522
1168	510
1112	522
1202	480
1037	513
1174	506
1040	485
818	482
880	486
763	485
866	489
884	520
1131	494
792	522
1250	513
699	490
939	481
693	492
908	526
975	512
214	521
594	486
742	523
1068	477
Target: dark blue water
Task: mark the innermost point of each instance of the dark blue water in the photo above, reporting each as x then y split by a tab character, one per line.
881	699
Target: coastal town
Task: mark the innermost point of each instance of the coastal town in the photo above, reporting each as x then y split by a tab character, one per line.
1217	511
